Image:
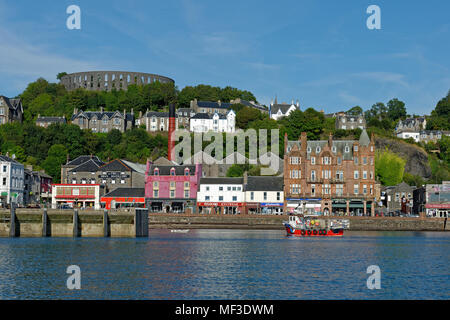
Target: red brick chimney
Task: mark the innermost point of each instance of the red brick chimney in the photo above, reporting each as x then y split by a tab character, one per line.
171	144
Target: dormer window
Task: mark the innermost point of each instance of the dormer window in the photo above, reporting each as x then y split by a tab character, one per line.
356	148
333	149
172	171
156	172
186	171
347	149
308	150
318	150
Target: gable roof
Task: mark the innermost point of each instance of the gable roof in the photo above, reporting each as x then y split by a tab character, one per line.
116	165
126	192
281	107
264	183
224	180
51	119
82	159
12	103
140	168
214	104
88	166
7	159
100	115
165	170
161	161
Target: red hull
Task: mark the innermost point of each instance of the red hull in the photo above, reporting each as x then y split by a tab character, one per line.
328	233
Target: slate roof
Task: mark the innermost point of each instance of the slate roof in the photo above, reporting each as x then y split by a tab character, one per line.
339	144
116	165
13	103
161	161
126	192
7	159
214	104
82	159
224	180
51	119
151	114
253	105
264	184
135	166
208	116
109	114
165	170
89	166
283	107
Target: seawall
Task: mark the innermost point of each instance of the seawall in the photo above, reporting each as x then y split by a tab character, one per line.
178	221
73	223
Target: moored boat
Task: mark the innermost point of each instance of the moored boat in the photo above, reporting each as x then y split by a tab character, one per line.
315	227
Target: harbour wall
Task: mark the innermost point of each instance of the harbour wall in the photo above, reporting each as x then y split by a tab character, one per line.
73	223
266	222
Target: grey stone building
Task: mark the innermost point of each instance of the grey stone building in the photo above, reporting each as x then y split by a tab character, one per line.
65	168
350	122
397	195
11	110
157	121
184	115
411	124
109	80
115	174
103	121
210	107
46	121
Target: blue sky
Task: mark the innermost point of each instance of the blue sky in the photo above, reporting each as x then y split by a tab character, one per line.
319	52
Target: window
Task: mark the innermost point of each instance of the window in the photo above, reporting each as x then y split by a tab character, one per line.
252	196
364	160
186	193
371	175
333	149
105	121
155	184
234	188
364	189
155	193
326	189
364	174
318	150
371	189
308	150
234	198
186	172
294	160
220	198
313	189
206	198
122	181
339	189
356	160
2	111
186	185
4	181
356	174
4	169
278	196
172	193
356	148
313	175
156	172
347	149
339	160
74	181
113	181
207	188
356	189
313	160
397	197
116	121
228	188
172	171
265	196
220	188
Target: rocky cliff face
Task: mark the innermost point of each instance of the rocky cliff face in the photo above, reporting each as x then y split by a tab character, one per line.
416	158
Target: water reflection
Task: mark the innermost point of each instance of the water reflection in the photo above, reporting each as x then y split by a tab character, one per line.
228	264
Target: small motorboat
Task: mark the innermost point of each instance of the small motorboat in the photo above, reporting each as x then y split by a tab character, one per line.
315	227
180	230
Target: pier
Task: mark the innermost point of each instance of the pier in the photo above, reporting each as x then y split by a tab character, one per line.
19	222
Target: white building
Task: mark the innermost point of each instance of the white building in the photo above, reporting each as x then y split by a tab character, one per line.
76	196
204	122
264	195
278	111
221	196
11	181
409	134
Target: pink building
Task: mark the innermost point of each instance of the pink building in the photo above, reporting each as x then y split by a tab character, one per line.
171	187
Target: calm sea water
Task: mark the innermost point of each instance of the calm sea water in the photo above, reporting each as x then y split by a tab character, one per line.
222	264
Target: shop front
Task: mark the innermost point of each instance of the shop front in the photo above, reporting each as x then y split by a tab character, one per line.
305	206
221	207
438	210
271	208
171	205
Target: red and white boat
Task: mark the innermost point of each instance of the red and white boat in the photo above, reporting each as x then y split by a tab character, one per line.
315	227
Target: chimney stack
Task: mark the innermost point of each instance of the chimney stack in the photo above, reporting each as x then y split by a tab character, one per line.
304	141
171	144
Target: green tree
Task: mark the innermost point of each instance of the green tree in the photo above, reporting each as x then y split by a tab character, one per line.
396	109
389	167
60	75
57	155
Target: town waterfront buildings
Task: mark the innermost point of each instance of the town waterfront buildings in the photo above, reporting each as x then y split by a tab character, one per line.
76	196
264	195
221	196
330	176
11	181
171	187
399	197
